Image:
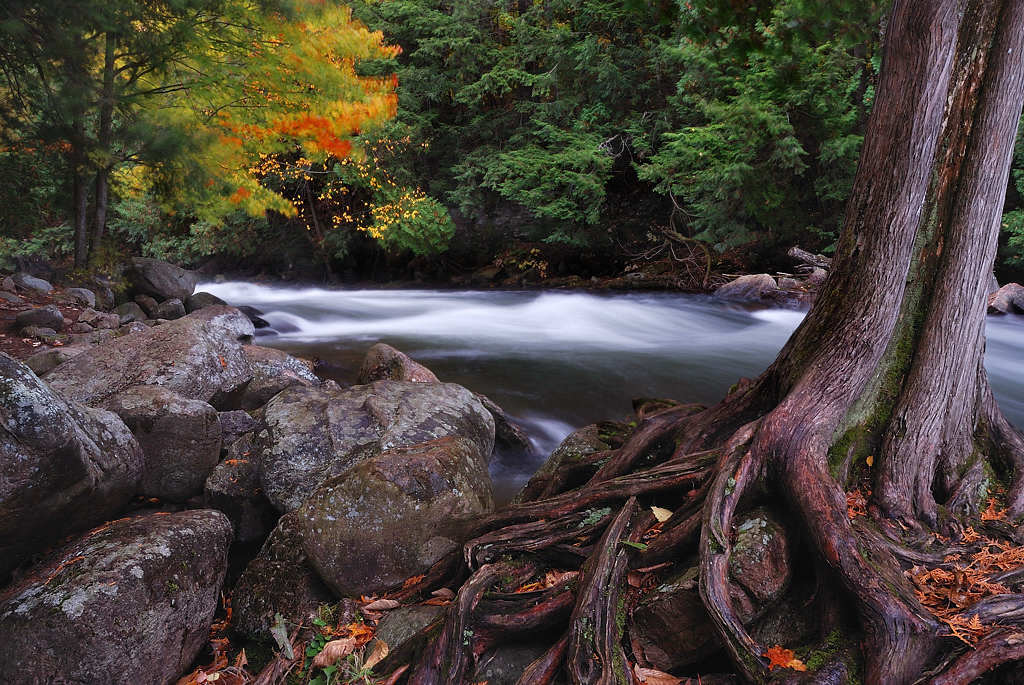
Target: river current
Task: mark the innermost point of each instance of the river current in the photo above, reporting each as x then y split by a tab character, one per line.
558	360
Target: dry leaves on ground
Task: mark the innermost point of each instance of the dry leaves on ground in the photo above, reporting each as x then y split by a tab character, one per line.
964	580
651	676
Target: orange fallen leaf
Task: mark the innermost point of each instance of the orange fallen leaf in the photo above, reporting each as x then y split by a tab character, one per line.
783	658
437	602
530	587
409	582
223	362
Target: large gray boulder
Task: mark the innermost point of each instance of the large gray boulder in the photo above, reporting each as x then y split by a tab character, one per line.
63	466
180	439
128	603
45	317
272	372
129	312
32	284
234	488
45	361
750	288
159	279
100	320
395	515
82	296
278	581
197	357
313	433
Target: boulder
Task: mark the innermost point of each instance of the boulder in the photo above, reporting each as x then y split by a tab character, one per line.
82	296
93	338
272	372
41	332
505	663
670	626
278	581
147	303
749	288
760	560
234	488
254	315
131	602
41	317
405	631
132	327
32	284
1007	300
11	298
80	327
99	320
574	448
234	424
385	363
394	515
200	300
63	466
129	312
48	360
8	284
180	439
816	277
159	279
197	357
510	439
314	433
170	310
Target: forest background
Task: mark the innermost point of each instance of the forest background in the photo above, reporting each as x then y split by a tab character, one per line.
549	137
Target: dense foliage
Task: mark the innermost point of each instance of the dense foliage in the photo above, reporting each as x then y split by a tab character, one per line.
598	127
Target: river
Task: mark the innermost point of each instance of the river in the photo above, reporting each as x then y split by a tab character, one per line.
558	360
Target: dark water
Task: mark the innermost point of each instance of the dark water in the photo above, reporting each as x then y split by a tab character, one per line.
560	360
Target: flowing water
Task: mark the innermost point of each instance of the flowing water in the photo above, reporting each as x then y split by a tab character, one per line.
559	360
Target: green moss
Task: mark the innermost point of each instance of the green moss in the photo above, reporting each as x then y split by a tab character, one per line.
834	646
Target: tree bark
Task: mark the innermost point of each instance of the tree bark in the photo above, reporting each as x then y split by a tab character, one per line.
104	139
882	387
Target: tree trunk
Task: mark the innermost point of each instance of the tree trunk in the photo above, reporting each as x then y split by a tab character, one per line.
881	388
104	140
79	194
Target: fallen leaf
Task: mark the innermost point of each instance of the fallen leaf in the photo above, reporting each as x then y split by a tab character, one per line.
334	651
241	661
552	578
409	582
652	676
382	605
870	460
443	593
377	654
661	514
438	602
783	658
223	362
529	587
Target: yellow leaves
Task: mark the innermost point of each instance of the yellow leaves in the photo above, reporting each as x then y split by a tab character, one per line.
661	514
550	579
781	657
870	460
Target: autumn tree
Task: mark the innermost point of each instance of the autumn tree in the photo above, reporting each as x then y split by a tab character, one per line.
186	94
874	432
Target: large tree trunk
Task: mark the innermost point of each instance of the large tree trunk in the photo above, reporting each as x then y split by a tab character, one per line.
882	387
104	139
